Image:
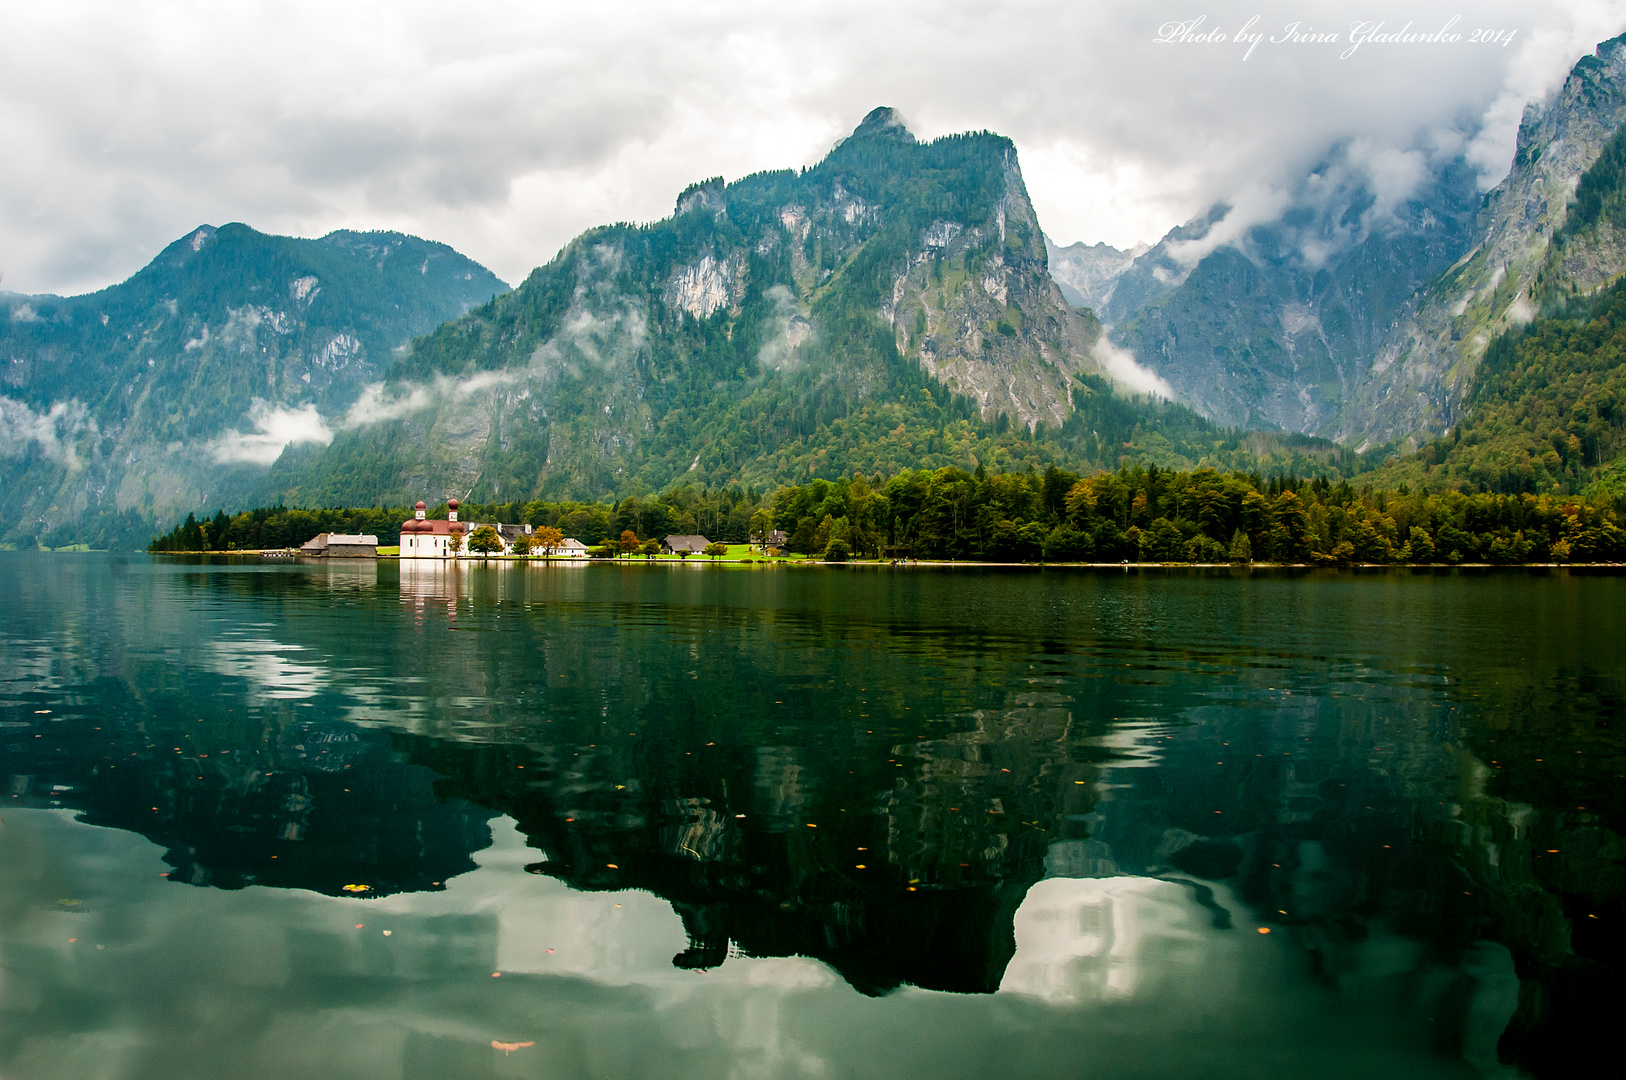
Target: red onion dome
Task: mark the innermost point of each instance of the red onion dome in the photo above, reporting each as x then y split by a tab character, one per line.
420	506
451	504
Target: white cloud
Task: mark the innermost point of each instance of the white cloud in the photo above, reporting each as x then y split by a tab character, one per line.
54	431
507	129
1122	367
275	429
376	404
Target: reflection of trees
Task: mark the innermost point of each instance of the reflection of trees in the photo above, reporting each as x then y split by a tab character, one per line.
1411	819
891	875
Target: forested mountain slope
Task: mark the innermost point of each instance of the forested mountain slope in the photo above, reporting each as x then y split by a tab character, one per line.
885	309
163	392
1546	412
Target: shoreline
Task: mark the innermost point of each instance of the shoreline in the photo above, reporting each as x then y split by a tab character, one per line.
935	564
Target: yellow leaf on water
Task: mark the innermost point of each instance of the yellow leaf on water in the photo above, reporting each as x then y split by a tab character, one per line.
358	888
510	1047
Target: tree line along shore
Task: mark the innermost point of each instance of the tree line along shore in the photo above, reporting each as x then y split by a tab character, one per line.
1135	514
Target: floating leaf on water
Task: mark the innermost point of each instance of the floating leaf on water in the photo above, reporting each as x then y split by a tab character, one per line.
509	1048
358	888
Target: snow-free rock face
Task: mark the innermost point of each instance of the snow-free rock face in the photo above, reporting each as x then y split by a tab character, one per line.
1003	333
1422	370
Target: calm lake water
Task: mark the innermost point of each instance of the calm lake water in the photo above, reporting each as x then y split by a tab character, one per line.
364	820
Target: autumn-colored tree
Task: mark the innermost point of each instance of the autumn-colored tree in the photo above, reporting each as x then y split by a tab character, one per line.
629	542
548	539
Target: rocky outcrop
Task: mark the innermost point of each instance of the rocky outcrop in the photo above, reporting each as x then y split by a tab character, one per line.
1003	333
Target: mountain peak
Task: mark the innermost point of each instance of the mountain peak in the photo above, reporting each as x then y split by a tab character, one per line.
885	121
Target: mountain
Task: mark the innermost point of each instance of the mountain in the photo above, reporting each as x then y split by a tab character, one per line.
1361	315
129	404
1272	324
1088	273
1545	412
887	308
1423	371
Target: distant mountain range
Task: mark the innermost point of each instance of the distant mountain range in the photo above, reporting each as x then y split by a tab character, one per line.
895	306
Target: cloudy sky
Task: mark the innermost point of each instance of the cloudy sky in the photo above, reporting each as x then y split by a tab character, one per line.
505	128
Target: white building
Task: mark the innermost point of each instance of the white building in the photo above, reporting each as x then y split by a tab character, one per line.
422	538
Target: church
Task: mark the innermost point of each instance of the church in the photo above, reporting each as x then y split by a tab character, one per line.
422	538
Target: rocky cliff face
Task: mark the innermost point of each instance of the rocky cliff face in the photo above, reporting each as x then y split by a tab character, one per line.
1422	370
167	391
1003	333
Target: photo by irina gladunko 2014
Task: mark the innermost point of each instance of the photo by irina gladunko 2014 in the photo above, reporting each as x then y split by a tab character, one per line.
885	540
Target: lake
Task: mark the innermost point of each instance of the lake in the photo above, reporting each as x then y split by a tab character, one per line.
367	820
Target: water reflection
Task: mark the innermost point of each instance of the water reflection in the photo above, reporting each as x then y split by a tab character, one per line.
1091	794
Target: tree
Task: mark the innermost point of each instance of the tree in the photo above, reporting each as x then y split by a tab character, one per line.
715	550
485	541
521	545
761	526
837	551
454	543
1241	547
650	548
628	542
547	539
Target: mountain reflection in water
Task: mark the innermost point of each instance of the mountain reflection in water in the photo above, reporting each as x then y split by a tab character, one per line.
1239	824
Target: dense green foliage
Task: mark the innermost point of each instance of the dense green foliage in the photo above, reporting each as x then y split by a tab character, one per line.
1135	514
279	527
1547	412
1202	516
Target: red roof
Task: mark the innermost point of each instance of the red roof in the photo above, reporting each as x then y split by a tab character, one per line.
434	527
